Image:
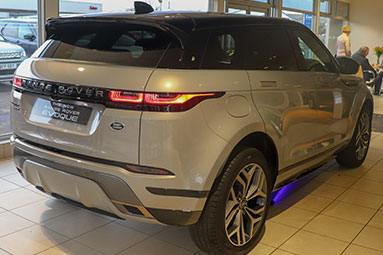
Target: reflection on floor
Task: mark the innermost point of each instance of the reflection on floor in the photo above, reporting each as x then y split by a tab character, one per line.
331	211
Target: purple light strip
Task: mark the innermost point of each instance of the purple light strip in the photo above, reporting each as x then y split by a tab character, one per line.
280	193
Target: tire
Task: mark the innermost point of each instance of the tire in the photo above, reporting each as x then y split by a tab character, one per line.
355	153
216	232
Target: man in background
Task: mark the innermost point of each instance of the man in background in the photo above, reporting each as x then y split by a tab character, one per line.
361	58
343	45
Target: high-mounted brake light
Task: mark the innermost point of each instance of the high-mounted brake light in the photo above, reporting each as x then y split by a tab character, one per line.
17	81
126	97
164	99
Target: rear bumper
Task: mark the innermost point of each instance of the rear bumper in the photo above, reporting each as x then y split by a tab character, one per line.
104	187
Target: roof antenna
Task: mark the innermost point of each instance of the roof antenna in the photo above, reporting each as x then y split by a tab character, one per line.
142	7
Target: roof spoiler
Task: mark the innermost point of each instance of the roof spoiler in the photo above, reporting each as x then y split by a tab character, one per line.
142	7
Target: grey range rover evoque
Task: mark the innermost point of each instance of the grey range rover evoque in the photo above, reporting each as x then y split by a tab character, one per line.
184	118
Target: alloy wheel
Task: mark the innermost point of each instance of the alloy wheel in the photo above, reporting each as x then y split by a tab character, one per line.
246	204
362	136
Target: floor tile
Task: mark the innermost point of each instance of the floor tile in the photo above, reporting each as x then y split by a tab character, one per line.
146	228
370	238
359	250
281	252
262	249
276	234
313	203
17	179
361	198
31	241
10	223
17	198
6	186
157	247
7	167
178	236
307	243
369	187
112	238
350	212
75	223
337	179
355	172
334	228
328	191
377	221
373	175
70	248
293	217
44	210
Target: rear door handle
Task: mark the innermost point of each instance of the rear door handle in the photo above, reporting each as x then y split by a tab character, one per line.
268	84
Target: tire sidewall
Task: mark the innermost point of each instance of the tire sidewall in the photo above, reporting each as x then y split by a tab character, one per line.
245	157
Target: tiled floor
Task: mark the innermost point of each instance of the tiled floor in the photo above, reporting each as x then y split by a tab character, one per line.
331	211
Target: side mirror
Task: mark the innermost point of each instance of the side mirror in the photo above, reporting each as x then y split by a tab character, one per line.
30	37
348	65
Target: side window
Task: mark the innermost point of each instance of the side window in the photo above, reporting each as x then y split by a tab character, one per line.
270	49
313	57
23	30
10	30
224	51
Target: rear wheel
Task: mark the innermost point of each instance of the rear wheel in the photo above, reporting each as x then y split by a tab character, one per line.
355	153
236	210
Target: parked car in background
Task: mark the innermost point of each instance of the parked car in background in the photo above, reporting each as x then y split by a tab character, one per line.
22	32
184	119
11	56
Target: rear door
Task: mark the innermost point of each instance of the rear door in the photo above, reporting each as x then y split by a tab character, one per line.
284	96
334	99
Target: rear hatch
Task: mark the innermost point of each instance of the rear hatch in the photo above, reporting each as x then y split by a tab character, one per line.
61	99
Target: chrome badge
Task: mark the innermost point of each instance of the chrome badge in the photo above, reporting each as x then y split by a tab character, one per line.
118	126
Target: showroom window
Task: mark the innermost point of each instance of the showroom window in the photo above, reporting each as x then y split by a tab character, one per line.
18	27
304	5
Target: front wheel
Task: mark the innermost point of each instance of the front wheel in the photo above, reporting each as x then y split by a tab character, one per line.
355	153
236	210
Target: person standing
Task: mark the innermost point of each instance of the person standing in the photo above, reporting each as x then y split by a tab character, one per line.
343	45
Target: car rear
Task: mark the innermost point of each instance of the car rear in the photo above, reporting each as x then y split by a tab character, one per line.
88	126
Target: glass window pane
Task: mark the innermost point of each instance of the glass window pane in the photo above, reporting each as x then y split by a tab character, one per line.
262	1
236	11
304	5
224	51
270	50
315	58
305	19
325	6
14	49
113	43
343	9
258	13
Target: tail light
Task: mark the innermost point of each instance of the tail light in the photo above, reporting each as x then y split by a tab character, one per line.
160	102
17	81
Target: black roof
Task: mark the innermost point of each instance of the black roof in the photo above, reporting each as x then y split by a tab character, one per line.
187	21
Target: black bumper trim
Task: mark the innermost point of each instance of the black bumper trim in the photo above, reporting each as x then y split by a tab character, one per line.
178	192
175	217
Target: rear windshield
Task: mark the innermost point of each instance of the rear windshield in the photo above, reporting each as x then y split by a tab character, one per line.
113	43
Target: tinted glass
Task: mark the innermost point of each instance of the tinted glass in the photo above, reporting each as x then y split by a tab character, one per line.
10	30
313	56
225	51
110	43
270	49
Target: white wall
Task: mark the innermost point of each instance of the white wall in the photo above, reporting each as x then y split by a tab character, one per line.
366	25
